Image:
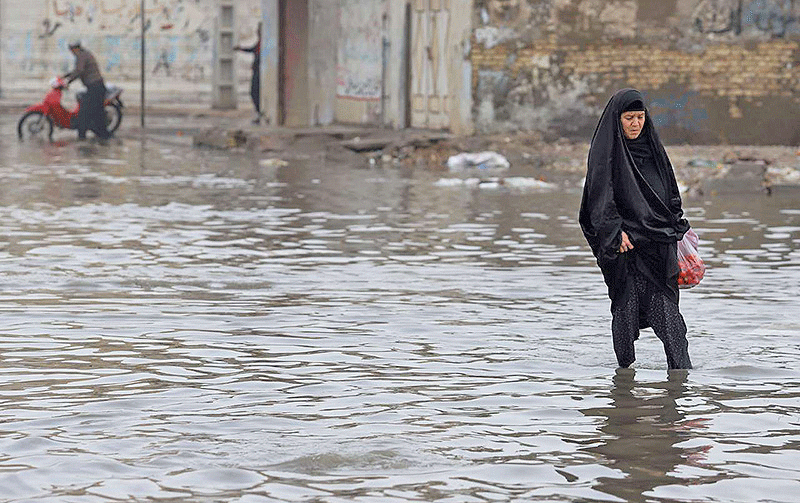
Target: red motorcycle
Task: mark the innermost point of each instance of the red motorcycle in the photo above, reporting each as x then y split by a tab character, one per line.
38	120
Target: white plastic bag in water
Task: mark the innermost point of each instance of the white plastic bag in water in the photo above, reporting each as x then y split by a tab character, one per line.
480	160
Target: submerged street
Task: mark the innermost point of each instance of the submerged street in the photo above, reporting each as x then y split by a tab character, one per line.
184	324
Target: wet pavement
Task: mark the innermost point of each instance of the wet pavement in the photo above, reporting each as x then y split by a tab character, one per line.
187	324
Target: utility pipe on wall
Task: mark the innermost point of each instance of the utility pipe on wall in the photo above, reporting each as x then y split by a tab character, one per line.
1	44
141	112
384	64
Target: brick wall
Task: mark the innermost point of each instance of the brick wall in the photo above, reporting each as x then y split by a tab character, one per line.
711	71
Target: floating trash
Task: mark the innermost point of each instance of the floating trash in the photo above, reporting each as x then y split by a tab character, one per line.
512	182
273	163
479	160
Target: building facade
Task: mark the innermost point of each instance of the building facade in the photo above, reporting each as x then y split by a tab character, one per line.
713	71
392	63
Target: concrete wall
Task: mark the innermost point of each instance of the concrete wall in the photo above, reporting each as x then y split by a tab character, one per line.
35	35
322	53
460	69
295	42
372	67
332	66
719	71
270	56
359	60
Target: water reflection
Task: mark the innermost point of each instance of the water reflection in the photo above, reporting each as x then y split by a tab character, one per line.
641	429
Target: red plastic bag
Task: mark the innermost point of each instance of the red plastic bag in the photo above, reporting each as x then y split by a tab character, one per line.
692	266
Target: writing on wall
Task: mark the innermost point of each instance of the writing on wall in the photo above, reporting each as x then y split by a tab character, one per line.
179	38
358	72
777	18
123	16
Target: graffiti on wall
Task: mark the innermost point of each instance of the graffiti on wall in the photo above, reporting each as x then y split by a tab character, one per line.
124	16
180	40
776	18
528	20
504	20
718	16
507	12
518	14
178	32
358	72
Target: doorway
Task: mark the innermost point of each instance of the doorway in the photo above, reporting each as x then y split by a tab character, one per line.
293	63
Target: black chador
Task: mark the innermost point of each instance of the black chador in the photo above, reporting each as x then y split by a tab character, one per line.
630	186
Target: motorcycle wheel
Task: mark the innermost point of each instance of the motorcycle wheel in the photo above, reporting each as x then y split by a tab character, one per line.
113	117
35	125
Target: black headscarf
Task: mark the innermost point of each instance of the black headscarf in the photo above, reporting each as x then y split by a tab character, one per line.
617	197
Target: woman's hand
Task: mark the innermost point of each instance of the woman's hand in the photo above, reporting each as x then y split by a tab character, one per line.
626	243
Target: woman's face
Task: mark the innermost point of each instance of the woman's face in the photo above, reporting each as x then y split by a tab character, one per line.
632	124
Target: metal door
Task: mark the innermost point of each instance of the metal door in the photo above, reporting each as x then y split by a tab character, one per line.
430	31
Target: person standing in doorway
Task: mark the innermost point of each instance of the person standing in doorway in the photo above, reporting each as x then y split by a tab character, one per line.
631	215
90	114
255	80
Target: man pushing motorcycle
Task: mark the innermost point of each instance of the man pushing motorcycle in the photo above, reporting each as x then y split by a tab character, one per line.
91	114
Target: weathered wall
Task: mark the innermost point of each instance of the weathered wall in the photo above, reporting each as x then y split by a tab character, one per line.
35	35
323	28
440	84
359	61
270	57
295	86
723	71
403	63
332	63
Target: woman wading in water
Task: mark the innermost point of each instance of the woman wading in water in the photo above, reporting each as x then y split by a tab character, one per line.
632	218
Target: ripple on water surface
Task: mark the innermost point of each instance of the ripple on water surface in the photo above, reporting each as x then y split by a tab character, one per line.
185	325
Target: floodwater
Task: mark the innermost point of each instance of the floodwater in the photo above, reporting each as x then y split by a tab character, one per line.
189	325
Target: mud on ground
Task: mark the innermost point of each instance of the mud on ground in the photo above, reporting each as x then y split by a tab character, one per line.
700	169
